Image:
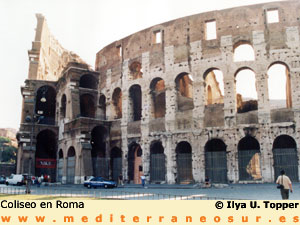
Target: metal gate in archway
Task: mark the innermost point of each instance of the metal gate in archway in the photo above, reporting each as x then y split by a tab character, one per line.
116	168
216	166
184	168
101	167
286	159
71	169
157	167
60	168
249	164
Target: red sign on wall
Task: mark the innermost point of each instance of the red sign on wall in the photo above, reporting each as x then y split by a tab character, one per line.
45	163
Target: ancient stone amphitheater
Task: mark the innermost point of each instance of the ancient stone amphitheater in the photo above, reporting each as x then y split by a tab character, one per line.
165	102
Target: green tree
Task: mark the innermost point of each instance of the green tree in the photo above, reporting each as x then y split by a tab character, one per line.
8	152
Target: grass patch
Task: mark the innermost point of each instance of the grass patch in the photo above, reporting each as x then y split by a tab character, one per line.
42	197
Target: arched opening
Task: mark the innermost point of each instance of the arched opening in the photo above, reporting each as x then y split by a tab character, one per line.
71	163
157	162
184	163
135	168
249	159
45	155
214	86
285	157
116	163
184	88
102	107
117	103
279	86
63	106
87	106
88	81
216	161
246	95
60	165
45	105
158	94
99	161
135	103
135	69
243	51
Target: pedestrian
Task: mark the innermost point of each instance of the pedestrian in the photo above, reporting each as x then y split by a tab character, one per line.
121	179
287	185
39	181
143	178
207	183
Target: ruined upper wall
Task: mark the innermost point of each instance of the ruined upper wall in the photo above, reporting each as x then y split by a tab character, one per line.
47	58
239	23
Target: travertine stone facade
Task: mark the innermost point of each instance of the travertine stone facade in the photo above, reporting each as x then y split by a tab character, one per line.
214	136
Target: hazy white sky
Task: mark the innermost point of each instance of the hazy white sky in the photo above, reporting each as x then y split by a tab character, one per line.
82	26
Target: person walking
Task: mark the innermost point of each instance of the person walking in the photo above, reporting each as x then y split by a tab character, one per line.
143	178
121	179
287	185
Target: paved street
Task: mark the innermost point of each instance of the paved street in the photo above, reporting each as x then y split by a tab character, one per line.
233	191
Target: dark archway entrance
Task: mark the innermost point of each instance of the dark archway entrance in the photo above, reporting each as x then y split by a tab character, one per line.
71	164
135	168
184	162
45	156
116	163
60	166
135	102
157	162
285	157
45	105
216	161
87	106
249	159
100	163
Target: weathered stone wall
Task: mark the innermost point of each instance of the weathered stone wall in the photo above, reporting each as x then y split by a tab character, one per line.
184	48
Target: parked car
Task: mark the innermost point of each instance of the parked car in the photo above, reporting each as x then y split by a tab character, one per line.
15	179
2	179
99	182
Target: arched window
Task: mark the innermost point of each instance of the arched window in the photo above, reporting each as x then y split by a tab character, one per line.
279	86
214	86
184	87
45	105
243	52
246	95
117	103
63	106
135	103
87	106
102	107
135	69
88	81
158	94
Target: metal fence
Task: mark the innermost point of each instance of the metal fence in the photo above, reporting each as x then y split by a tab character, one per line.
102	194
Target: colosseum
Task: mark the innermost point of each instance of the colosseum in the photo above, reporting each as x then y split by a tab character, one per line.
155	104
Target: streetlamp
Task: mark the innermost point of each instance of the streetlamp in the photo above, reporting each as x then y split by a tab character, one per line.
35	118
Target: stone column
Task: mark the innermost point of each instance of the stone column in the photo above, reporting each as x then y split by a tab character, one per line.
168	145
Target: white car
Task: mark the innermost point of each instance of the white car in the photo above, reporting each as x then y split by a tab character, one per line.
15	179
